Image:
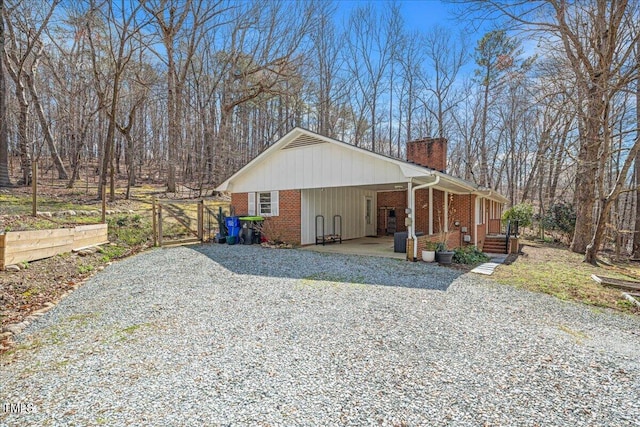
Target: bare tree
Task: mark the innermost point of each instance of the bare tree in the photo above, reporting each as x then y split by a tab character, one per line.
497	55
182	26
410	58
636	165
122	26
21	56
259	69
369	46
327	63
597	39
446	57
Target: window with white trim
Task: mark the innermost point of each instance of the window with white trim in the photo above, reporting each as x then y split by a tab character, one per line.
264	203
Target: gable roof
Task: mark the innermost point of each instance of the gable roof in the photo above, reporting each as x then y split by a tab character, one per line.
304	159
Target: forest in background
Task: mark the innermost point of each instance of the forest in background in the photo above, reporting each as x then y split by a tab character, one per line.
188	91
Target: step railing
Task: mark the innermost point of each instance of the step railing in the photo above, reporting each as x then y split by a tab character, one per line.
513	229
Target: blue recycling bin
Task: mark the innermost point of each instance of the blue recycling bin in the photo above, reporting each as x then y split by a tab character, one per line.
233	225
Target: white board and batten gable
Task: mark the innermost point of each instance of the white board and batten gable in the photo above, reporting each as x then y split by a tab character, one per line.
305	160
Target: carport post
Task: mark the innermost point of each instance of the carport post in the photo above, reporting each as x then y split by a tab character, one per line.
412	207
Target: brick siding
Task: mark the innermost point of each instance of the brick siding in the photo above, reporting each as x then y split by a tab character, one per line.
239	204
287	226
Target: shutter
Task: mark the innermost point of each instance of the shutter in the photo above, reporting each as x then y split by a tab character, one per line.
251	204
275	208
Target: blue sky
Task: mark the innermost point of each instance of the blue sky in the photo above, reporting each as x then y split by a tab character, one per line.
417	14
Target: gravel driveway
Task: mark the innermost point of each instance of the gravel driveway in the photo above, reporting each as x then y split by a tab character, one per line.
220	335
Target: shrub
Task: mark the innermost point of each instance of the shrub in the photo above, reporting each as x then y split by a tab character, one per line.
560	217
522	212
431	246
469	255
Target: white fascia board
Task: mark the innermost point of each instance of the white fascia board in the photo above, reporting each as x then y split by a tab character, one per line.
455	185
492	195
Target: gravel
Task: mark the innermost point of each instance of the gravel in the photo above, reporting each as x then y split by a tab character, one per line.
242	335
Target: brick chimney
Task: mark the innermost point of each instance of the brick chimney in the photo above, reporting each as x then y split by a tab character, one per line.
428	152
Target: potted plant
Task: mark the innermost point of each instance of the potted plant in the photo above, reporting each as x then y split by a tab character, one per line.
429	252
443	254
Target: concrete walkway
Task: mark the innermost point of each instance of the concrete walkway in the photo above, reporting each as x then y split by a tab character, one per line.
488	267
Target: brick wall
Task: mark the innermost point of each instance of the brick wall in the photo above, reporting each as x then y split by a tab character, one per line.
438	211
397	200
285	227
453	241
422	210
464	206
428	152
461	210
239	204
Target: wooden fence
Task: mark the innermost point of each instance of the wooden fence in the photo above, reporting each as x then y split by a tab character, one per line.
192	225
21	246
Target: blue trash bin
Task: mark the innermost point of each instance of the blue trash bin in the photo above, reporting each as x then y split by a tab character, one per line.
233	226
232	221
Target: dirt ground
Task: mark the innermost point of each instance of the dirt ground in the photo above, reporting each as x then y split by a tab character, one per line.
25	291
39	285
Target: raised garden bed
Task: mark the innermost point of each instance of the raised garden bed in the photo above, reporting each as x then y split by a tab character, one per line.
23	246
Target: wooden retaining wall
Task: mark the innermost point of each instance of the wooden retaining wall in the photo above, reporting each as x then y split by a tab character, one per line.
21	246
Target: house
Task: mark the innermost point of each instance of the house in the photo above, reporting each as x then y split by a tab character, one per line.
304	175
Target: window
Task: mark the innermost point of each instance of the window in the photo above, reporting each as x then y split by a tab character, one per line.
479	211
264	203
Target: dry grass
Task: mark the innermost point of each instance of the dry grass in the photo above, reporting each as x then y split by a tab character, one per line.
559	272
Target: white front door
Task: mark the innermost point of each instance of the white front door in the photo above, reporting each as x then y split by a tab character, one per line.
369	217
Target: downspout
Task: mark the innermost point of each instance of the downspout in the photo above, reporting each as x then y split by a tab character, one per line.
413	212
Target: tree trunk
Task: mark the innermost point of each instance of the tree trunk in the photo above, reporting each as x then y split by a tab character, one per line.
587	170
4	140
596	241
46	130
636	234
23	141
172	115
484	163
131	172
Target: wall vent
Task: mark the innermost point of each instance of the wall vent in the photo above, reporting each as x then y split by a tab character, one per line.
303	141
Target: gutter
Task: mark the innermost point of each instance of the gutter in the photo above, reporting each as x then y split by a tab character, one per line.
413	212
